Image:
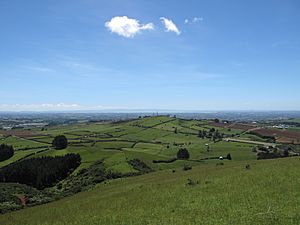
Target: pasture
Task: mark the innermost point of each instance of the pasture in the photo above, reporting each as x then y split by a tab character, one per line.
265	193
213	192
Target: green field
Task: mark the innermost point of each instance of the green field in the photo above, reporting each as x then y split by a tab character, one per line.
209	194
152	137
213	192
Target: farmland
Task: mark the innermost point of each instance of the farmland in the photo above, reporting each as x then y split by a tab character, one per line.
126	151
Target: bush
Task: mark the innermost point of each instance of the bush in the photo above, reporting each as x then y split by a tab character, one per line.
187	167
6	152
60	142
140	166
190	182
183	153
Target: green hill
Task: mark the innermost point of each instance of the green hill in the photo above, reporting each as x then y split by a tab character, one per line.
265	193
238	191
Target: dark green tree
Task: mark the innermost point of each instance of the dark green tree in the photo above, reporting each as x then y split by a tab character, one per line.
228	156
6	152
183	153
60	142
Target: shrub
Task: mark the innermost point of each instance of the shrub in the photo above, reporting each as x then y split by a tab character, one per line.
187	167
60	142
190	182
139	165
183	153
228	156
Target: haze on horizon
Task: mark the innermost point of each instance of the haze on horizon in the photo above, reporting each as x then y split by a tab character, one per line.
139	55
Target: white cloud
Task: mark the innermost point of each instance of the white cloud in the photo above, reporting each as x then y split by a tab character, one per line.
38	107
197	19
169	25
194	20
40	69
55	107
126	27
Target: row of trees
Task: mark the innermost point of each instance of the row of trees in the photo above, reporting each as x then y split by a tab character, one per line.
40	172
6	152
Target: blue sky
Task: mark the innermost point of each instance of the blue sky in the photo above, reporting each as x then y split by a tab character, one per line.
183	55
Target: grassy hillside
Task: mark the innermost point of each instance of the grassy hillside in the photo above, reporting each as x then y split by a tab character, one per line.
266	193
213	192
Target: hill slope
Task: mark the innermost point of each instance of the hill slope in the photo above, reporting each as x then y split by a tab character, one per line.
267	193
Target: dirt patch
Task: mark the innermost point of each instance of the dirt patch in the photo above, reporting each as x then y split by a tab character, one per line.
21	133
238	126
282	136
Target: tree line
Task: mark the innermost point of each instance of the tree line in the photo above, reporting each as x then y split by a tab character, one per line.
40	172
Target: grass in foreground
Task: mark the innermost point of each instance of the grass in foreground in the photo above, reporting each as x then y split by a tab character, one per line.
267	193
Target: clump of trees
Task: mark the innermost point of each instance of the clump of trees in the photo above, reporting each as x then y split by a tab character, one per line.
40	172
60	142
6	152
273	152
183	153
212	134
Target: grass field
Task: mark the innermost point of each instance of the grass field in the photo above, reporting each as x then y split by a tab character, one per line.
208	194
213	192
20	143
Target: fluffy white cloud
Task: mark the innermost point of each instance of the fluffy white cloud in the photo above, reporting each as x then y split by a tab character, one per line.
169	25
127	27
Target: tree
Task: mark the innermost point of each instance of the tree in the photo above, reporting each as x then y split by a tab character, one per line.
6	152
60	142
183	153
285	153
228	156
216	120
175	131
